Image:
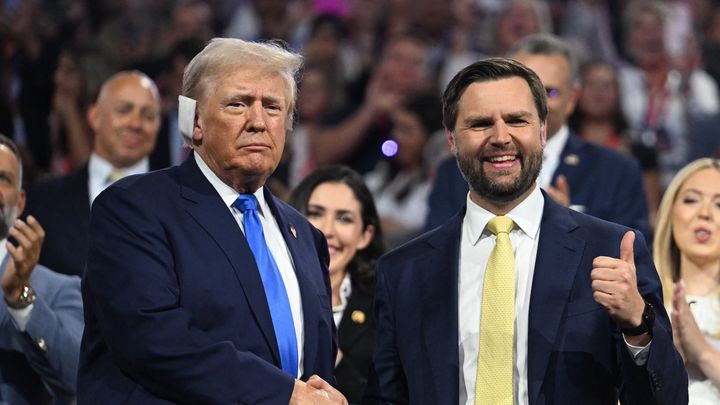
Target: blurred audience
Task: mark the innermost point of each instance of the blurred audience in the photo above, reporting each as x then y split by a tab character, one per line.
661	98
356	138
336	201
374	55
686	251
400	183
599	119
125	120
69	132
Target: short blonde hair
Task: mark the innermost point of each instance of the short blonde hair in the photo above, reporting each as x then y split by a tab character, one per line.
221	54
666	253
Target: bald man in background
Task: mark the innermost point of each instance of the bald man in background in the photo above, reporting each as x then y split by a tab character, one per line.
125	120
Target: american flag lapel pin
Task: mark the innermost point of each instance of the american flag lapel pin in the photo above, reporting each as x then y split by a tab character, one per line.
572	160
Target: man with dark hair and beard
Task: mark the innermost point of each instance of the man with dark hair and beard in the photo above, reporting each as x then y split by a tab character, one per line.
518	299
41	315
585	177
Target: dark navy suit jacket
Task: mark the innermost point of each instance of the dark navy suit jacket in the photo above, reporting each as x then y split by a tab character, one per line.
603	183
576	354
175	309
62	206
356	334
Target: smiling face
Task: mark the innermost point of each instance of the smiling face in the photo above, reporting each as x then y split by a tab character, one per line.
334	210
126	119
696	217
498	141
241	125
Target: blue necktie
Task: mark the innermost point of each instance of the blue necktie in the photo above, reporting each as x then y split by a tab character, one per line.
272	281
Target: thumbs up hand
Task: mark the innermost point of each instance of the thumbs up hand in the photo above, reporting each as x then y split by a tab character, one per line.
614	285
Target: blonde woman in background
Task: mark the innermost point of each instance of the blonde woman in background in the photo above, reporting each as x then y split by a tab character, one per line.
687	255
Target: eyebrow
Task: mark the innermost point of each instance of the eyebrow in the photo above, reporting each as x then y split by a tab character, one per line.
696	191
242	95
322	208
487	119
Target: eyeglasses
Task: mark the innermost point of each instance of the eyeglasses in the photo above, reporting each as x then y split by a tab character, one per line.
552	93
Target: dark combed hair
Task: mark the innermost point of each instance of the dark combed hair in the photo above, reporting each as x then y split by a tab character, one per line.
362	267
490	70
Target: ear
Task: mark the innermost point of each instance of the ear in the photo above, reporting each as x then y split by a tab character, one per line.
197	134
572	100
367	236
21	203
93	117
451	142
543	133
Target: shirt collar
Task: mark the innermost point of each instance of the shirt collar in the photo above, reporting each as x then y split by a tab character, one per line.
556	144
526	215
227	193
101	168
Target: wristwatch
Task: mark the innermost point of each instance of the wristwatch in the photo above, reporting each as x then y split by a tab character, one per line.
646	325
26	298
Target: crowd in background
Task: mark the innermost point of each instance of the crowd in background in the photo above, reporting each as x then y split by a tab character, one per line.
369	99
649	78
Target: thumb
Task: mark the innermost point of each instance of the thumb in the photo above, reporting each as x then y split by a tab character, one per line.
627	253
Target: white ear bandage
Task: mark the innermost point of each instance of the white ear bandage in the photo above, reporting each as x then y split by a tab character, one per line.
186	116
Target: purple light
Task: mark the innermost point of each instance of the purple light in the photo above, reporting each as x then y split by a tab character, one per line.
389	148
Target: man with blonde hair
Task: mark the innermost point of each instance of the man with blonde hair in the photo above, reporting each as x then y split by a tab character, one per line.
200	286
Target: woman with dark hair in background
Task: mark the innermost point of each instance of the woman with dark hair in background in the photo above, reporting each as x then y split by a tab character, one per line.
401	183
336	201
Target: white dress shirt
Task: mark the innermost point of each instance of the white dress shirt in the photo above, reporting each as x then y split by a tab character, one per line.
276	244
475	247
551	156
99	170
476	244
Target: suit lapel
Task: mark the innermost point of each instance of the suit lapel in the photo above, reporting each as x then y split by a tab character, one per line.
351	330
308	292
558	257
440	305
208	209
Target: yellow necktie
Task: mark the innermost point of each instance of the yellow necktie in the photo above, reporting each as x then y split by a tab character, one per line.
115	175
494	384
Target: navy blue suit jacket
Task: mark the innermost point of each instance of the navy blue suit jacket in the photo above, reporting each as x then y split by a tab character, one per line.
576	355
62	206
603	183
175	309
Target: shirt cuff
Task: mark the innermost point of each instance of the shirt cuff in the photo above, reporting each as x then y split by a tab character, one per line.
21	316
638	353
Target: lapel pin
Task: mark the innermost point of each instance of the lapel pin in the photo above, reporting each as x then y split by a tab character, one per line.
358	316
293	231
572	160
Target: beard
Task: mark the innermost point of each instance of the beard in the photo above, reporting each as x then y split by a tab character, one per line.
489	187
8	216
